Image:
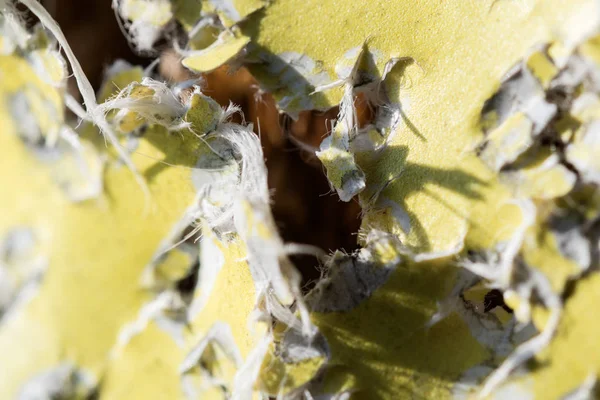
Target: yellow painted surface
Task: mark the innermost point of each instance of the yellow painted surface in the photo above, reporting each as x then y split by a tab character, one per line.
148	368
573	354
95	250
383	348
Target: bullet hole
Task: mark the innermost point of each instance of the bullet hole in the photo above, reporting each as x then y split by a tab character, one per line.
305	208
494	298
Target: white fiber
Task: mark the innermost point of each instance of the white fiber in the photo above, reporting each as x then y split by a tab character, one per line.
165	301
304	249
586	391
220	334
243	386
76	108
163	107
212	261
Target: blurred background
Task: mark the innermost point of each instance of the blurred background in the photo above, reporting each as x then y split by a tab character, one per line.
305	208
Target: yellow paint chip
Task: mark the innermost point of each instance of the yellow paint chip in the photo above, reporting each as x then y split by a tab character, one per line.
280	378
541	67
203	114
220	52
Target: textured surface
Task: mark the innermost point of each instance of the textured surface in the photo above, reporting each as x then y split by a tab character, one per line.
467	133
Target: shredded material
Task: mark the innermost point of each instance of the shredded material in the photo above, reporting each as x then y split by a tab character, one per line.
474	158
